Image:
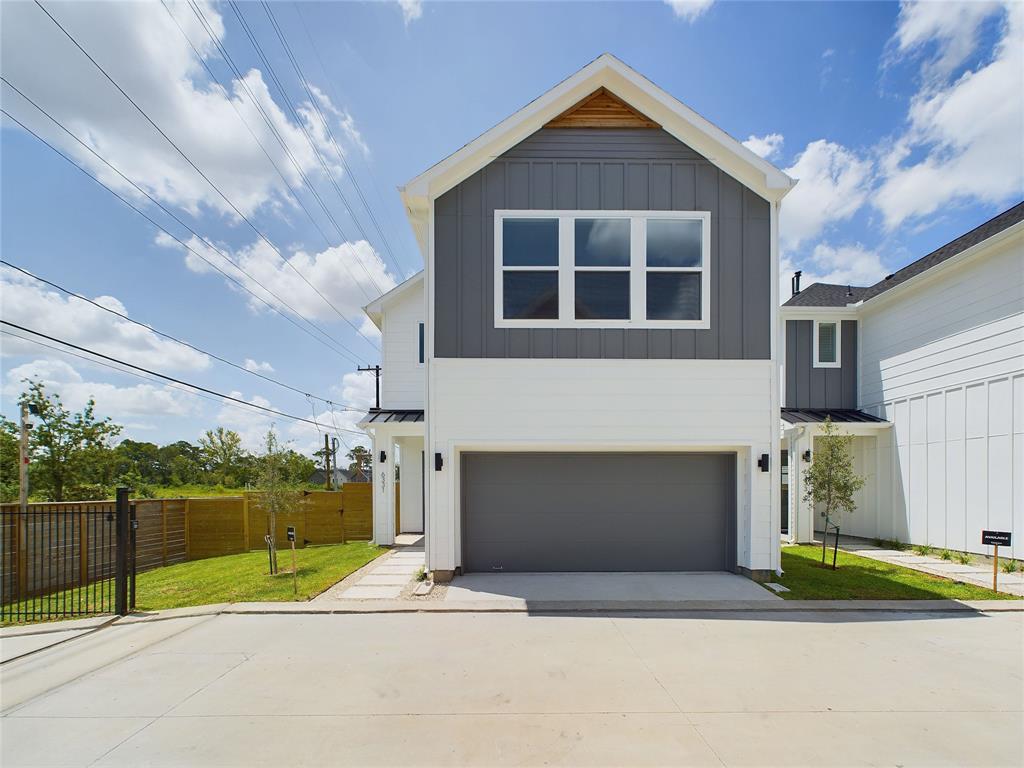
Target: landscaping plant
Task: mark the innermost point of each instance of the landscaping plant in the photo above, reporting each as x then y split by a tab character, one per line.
946	554
830	480
923	549
963	558
1009	566
275	495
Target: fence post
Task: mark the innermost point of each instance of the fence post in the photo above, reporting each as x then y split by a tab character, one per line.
83	547
245	522
22	519
188	551
122	528
163	524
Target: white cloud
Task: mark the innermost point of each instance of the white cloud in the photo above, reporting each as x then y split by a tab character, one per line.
852	264
411	10
834	184
255	367
766	146
689	10
58	377
29	304
950	28
963	140
143	50
349	275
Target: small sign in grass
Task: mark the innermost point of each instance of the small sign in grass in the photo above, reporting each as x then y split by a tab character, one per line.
860	578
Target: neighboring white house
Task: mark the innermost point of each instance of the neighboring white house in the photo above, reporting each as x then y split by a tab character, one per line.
597	387
396	423
927	368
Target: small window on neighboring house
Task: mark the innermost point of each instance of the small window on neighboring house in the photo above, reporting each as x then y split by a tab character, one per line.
529	266
421	335
826	344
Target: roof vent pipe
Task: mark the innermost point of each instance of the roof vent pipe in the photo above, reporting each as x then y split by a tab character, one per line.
849	292
796	282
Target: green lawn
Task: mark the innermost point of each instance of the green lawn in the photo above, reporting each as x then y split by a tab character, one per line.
860	578
244	578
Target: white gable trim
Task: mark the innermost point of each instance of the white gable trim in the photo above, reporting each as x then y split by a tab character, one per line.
640	93
375	309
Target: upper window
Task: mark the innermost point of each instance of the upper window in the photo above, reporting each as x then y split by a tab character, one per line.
826	344
602	268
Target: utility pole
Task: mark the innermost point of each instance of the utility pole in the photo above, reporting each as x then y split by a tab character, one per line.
376	375
327	462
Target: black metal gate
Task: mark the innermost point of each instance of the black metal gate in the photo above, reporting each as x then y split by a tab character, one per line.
65	560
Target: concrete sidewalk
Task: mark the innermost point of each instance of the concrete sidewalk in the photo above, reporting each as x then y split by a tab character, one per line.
980	575
902	688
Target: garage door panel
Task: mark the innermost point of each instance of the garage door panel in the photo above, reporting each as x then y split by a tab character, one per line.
598	512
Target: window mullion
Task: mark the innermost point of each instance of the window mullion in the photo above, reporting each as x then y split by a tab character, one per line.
637	269
566	280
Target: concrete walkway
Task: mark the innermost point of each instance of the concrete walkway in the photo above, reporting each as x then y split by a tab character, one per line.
386	577
894	688
977	574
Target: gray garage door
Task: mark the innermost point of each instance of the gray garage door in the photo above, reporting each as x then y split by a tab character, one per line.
598	512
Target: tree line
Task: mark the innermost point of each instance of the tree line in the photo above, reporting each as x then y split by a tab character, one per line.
75	456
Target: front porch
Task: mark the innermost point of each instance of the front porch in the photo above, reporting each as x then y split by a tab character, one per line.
801	428
398	472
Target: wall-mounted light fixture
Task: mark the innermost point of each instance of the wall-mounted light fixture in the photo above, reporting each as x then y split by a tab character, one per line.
383	457
438	462
763	462
807	455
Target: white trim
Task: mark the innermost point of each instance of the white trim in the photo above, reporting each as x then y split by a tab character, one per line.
637	269
816	360
849	312
375	309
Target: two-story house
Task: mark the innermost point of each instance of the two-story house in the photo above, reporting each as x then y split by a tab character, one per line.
926	369
585	377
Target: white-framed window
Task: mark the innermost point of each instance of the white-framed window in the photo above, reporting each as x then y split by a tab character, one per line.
607	269
827	343
421	341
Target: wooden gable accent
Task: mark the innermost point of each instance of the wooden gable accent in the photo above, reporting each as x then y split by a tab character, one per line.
601	109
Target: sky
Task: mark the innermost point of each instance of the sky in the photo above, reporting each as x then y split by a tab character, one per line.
263	156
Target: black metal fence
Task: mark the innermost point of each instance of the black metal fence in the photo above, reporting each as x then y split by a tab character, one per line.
65	560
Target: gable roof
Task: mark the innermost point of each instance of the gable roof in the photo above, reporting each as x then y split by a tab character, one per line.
831	295
375	309
626	86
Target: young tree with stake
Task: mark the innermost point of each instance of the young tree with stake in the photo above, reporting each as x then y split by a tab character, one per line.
830	480
276	495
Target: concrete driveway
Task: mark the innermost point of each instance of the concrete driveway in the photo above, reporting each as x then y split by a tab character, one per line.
769	688
632	588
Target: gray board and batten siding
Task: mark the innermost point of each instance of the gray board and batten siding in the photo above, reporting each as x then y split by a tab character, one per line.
810	387
602	169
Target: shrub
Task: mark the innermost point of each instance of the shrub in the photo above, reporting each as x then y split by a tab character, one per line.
963	558
1010	566
946	554
923	549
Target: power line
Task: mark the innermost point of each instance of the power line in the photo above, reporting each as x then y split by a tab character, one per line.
132	373
348	354
334	95
330	134
298	119
187	159
198	12
165	377
176	340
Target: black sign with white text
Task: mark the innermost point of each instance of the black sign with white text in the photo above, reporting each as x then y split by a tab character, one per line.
997	538
291	533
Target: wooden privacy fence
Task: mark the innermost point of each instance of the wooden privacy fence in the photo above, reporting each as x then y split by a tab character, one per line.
51	548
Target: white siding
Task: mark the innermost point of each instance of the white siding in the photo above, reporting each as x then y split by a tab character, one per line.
945	362
402	381
603	405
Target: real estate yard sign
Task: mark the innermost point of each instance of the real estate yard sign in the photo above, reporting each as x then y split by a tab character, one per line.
996	539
